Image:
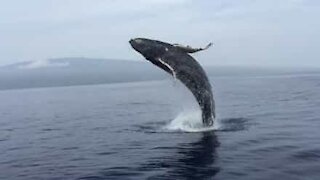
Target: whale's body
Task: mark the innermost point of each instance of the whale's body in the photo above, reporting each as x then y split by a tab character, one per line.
182	66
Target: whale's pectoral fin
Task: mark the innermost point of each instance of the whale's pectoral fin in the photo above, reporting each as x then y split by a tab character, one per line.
189	49
169	67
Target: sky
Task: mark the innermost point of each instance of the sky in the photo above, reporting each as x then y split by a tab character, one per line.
276	33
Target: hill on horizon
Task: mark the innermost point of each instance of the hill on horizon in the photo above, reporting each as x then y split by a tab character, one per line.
85	71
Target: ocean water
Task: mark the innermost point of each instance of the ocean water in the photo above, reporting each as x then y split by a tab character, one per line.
268	127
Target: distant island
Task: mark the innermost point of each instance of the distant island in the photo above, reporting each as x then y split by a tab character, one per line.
86	71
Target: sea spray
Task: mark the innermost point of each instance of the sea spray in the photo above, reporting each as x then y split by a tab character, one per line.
189	115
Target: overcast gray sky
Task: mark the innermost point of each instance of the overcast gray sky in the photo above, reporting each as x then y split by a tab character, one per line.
245	32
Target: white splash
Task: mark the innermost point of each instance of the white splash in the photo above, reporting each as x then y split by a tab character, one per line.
189	114
189	119
189	122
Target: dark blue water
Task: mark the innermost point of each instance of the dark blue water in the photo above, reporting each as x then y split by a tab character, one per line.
269	128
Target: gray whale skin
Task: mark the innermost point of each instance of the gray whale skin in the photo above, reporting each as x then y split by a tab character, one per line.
176	61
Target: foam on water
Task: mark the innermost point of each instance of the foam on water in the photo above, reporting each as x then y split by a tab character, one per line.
189	121
189	117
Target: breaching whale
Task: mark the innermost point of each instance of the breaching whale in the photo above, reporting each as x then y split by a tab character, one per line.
174	59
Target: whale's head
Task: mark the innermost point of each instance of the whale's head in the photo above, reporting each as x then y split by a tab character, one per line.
150	49
154	51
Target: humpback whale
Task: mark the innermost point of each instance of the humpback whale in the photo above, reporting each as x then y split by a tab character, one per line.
175	59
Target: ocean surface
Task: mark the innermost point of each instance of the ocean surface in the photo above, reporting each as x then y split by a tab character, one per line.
268	127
